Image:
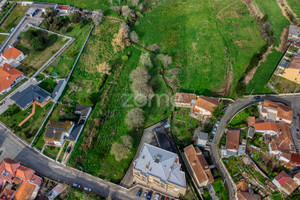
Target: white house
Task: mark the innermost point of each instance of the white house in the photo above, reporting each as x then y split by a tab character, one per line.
13	53
56	132
9	76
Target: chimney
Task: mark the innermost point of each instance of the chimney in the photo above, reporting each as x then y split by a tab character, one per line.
194	163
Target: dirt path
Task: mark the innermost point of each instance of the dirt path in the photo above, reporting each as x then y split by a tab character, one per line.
253	8
250	75
286	8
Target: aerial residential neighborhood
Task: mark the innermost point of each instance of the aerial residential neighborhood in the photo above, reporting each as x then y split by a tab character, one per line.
155	100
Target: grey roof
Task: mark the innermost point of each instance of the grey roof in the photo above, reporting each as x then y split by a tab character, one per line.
82	109
54	130
160	163
74	132
30	11
164	140
251	132
57	88
293	30
284	64
43	5
32	92
231	153
203	136
242	150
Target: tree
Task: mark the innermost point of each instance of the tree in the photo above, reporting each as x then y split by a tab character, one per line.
122	149
121	40
140	75
97	17
145	60
135	118
165	59
125	11
75	17
219	111
38	43
134	36
104	68
143	93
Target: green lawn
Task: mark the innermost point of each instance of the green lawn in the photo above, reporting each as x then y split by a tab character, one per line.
283	85
13	18
220	189
262	75
295	6
51	151
63	63
48	84
5	10
275	17
208	40
14	115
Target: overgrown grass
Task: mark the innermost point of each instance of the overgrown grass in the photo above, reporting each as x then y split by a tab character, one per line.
275	17
13	18
2	38
51	151
14	115
241	119
220	189
208	40
283	85
77	194
258	85
295	6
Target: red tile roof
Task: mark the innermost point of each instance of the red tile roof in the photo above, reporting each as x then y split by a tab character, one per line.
297	175
283	111
10	166
7	193
25	191
251	121
24	173
184	98
247	196
290	185
8	75
242	186
266	126
282	177
12	52
207	103
62	7
36	180
233	140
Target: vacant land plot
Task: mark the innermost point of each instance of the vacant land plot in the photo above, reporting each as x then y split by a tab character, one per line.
36	58
211	42
295	6
258	85
275	17
76	194
4	12
283	85
14	115
13	18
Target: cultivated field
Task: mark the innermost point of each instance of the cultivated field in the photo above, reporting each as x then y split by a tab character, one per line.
211	42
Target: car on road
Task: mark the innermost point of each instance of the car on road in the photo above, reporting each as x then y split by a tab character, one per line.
211	138
214	130
145	194
76	185
69	149
139	193
218	122
87	189
156	197
256	97
149	195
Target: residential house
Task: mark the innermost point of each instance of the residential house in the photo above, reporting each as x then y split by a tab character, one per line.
159	169
267	128
297	178
285	183
83	111
13	53
58	89
31	12
242	148
9	76
55	191
204	107
232	142
292	72
32	93
185	100
8	169
294	33
56	132
63	9
198	166
7	194
42	5
247	196
200	138
251	121
273	111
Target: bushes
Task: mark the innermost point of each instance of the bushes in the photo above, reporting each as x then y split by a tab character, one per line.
135	118
122	149
75	17
51	20
39	40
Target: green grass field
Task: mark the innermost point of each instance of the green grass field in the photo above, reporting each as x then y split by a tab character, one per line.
295	6
275	17
13	18
14	115
262	75
208	40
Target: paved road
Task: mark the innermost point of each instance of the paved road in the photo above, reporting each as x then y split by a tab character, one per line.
13	148
229	114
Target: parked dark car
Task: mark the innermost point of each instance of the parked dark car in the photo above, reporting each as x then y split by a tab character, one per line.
149	195
256	97
139	193
211	138
162	198
69	149
163	122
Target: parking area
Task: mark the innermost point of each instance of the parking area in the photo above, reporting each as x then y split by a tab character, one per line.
142	192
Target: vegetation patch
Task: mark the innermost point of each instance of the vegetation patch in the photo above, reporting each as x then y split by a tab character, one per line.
295	6
77	194
220	189
13	18
241	119
283	85
48	84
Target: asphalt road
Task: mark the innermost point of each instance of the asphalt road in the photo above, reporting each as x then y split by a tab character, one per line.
13	148
229	114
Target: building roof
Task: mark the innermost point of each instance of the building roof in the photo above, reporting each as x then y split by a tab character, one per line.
55	130
63	7
11	52
293	29
290	185
82	109
203	136
36	180
30	94
268	103
284	141
160	163
283	111
185	98
297	175
7	194
266	126
25	191
207	103
242	186
247	196
282	177
233	140
198	164
295	64
8	75
8	168
25	173
251	121
57	88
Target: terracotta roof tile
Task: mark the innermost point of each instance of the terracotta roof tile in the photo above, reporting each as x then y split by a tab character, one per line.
10	166
270	103
8	75
36	180
24	173
285	112
251	121
242	186
184	98
247	196
297	175
207	103
12	52
7	193
282	177
62	7
266	126
25	191
290	185
233	140
273	146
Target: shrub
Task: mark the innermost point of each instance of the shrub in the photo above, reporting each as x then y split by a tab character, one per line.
139	75
134	36
145	60
135	118
122	149
97	17
75	17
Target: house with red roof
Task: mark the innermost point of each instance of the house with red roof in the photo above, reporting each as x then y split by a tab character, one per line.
204	107
285	183
9	76
63	8
7	194
268	128
232	142
13	53
274	111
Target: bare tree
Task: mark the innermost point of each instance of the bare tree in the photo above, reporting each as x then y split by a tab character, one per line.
165	59
104	68
122	149
140	75
97	17
135	118
121	40
125	11
134	36
145	60
135	2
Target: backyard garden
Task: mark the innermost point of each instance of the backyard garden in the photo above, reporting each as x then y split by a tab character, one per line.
13	18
